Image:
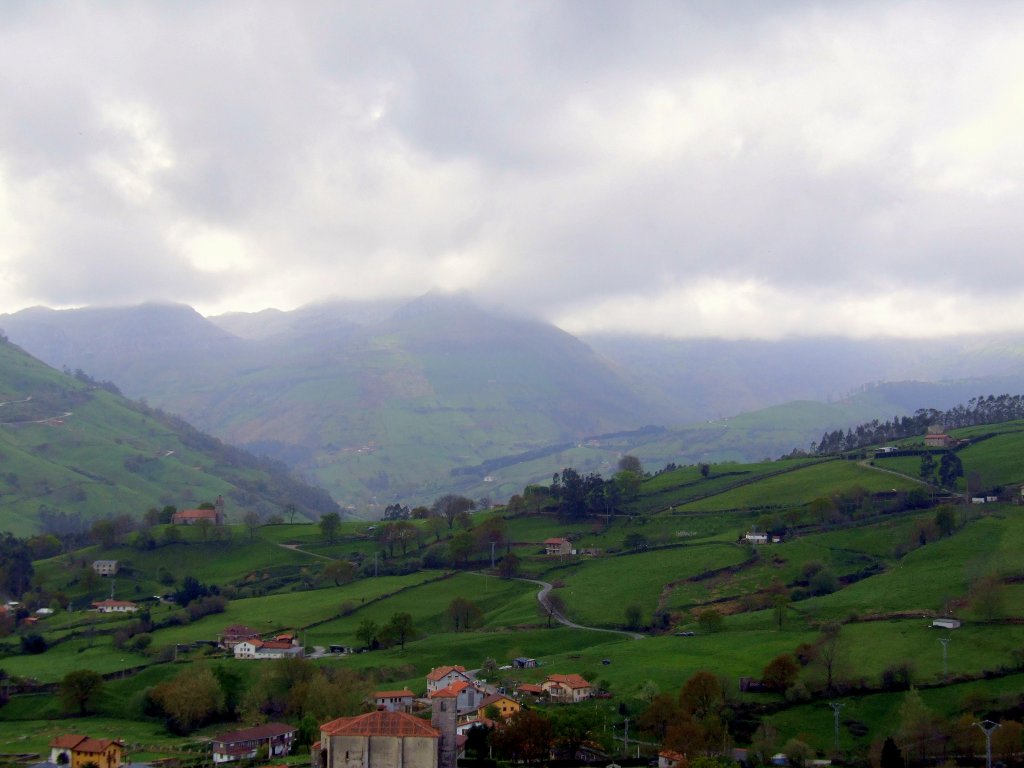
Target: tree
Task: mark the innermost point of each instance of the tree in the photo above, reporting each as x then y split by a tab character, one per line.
367	633
463	614
950	468
891	756
781	672
705	470
702	695
919	735
630	464
461	547
831	654
988	598
509	566
188	700
204	525
710	620
944	520
401	628
450	506
780	604
340	572
252	524
634	616
290	509
662	711
636	541
527	736
80	689
927	470
574	726
798	753
329	525
552	607
16	569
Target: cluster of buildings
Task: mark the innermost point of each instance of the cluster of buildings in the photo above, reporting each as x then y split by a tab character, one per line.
389	736
245	643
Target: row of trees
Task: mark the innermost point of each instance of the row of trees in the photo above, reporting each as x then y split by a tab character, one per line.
991	409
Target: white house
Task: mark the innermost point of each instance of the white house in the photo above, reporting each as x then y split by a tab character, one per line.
267	649
441	677
946	623
756	538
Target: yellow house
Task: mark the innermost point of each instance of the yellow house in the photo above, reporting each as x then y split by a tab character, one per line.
506	707
81	751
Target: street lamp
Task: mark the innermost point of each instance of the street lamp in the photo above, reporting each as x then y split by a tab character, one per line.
987	726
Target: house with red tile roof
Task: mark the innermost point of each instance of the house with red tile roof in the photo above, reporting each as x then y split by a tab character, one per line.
267	649
245	744
531	688
378	739
75	751
234	634
557	546
569	688
194	516
442	677
669	759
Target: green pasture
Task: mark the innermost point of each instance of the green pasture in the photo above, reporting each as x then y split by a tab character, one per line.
802	486
597	591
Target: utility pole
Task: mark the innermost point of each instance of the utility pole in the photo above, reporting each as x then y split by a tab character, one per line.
625	740
837	707
945	642
374	563
987	726
492	555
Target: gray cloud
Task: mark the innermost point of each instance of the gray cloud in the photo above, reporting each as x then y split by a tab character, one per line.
698	168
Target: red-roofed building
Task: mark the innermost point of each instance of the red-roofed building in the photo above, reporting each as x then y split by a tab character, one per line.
194	516
75	751
378	739
939	441
442	677
531	688
267	649
237	633
570	688
557	546
245	744
394	701
669	759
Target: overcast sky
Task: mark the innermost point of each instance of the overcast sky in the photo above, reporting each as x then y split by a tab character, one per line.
743	169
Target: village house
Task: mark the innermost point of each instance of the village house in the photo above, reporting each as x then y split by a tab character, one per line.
669	759
567	688
394	701
234	634
442	677
267	649
505	706
76	751
557	546
247	743
756	538
939	441
115	606
104	567
378	739
530	689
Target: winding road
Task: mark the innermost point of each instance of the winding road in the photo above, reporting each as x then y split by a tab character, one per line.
542	598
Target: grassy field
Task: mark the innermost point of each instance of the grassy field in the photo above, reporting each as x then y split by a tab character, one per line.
801	486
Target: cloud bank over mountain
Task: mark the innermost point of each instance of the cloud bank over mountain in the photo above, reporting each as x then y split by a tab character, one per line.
694	169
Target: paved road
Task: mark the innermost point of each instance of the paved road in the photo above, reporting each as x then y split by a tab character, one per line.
542	598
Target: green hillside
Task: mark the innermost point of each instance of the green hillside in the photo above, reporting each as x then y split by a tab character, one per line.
860	563
71	446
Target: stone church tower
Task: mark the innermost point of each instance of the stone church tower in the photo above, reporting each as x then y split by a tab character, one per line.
442	717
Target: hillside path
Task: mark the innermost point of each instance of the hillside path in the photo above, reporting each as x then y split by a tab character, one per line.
542	598
295	548
867	464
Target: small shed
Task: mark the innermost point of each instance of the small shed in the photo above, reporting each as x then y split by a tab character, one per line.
946	623
522	662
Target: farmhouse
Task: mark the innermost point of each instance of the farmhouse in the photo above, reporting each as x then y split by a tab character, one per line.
246	743
756	538
530	689
669	759
568	688
76	751
442	677
394	701
267	649
115	606
234	634
557	546
939	441
104	567
377	740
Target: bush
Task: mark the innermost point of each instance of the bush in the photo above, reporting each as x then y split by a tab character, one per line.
33	644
